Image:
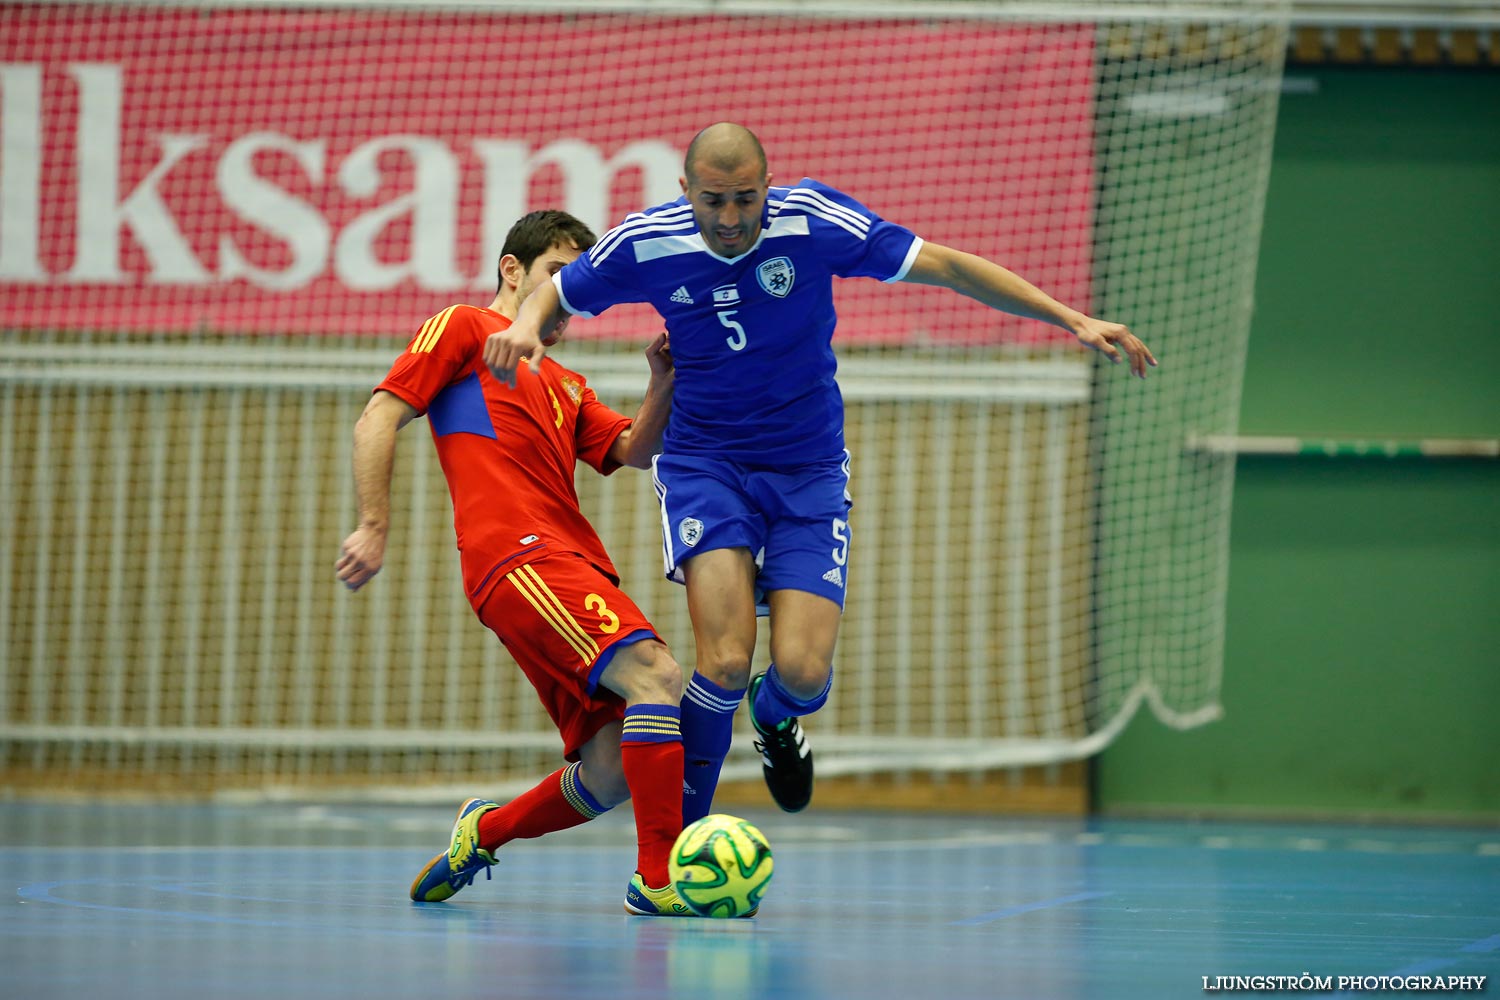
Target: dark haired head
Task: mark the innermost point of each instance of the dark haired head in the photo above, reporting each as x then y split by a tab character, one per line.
537	232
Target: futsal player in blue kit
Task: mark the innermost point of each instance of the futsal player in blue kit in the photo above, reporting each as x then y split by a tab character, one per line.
753	476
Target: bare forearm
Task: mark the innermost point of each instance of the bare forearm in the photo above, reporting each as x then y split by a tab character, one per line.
998	288
643	440
374	461
363	552
542	309
991	284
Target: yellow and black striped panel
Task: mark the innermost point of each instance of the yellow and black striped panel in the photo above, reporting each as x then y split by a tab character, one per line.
644	726
573	792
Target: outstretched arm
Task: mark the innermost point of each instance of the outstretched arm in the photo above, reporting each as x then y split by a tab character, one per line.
363	552
539	316
642	439
998	288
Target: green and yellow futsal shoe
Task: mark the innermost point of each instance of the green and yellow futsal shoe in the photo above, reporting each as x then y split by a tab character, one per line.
448	873
644	901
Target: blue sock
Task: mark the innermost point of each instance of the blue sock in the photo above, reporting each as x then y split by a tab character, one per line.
774	704
707	727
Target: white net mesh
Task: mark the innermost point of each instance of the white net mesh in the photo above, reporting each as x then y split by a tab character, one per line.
220	226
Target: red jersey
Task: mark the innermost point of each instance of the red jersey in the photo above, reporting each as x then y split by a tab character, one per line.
508	454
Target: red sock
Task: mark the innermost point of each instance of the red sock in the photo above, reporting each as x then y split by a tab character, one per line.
558	802
651	751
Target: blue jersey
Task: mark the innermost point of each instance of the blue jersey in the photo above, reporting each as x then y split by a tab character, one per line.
752	336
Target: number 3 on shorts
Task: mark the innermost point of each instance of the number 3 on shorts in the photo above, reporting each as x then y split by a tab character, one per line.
595	603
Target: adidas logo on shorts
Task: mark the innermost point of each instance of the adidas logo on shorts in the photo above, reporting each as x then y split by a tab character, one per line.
834	577
681	295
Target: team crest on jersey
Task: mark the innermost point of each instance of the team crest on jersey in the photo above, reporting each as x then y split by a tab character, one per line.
776	276
690	529
573	389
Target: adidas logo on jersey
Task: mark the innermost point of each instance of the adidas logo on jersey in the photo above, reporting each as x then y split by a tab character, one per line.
834	577
681	295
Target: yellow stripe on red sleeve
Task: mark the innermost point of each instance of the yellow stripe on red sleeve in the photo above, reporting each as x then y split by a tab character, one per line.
427	339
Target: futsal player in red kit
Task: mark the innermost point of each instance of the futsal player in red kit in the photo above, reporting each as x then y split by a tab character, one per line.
534	570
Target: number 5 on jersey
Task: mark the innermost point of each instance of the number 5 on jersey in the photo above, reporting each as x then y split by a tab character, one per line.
738	340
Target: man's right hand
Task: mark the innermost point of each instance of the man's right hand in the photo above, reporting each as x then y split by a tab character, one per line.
362	555
505	351
1110	339
659	355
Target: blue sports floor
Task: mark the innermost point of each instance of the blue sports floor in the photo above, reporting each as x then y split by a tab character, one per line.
286	902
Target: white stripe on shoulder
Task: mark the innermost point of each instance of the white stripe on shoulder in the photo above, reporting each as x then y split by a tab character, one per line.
616	232
787	225
635	218
640	222
808	195
668	246
597	256
620	232
837	220
776	199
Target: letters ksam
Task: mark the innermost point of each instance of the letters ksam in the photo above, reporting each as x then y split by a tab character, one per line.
312	246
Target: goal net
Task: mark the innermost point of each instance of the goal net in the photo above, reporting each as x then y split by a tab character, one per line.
220	224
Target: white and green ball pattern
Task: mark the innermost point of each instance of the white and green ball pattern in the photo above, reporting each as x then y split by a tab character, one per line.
720	866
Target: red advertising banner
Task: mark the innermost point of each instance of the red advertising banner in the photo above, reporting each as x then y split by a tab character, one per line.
302	171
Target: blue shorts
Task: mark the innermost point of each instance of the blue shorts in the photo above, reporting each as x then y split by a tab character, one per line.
794	519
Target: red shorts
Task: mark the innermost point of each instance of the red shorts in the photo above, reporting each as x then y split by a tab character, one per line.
563	621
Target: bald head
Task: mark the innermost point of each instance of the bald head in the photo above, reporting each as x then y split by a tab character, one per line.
725	147
726	183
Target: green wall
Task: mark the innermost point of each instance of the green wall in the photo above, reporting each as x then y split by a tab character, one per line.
1362	668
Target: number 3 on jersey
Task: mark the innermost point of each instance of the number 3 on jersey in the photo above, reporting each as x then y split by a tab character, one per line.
738	340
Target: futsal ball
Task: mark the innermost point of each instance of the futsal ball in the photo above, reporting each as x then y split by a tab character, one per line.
720	866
